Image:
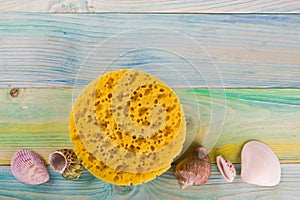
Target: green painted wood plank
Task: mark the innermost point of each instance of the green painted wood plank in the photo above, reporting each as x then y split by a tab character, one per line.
163	187
48	50
38	119
166	6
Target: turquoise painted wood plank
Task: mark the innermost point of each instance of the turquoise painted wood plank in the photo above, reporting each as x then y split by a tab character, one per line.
163	187
38	119
166	6
48	50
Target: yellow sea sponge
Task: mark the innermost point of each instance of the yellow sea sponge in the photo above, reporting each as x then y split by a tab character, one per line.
153	113
103	172
130	121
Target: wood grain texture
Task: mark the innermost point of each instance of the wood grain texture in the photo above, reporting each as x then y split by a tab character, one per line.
164	187
165	6
58	50
38	119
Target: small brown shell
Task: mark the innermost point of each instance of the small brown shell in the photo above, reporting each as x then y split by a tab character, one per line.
29	167
226	168
66	162
194	169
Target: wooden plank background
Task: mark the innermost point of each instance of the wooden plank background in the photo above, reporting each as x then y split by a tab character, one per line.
255	57
143	6
164	187
48	50
38	119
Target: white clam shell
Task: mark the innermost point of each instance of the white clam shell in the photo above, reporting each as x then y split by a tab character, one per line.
29	167
226	168
260	165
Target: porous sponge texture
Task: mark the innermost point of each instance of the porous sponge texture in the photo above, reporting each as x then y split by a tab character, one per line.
103	172
130	122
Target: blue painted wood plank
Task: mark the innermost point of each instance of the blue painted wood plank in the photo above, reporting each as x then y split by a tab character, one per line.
163	187
48	50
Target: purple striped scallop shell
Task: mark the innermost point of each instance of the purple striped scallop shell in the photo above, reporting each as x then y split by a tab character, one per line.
29	167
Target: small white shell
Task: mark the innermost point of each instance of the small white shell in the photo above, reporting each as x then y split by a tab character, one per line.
226	168
260	165
29	167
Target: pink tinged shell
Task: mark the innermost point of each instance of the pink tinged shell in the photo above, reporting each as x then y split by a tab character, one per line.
260	165
29	167
58	161
226	168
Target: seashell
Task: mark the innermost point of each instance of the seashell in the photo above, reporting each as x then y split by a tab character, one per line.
29	167
66	162
226	168
194	169
260	165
